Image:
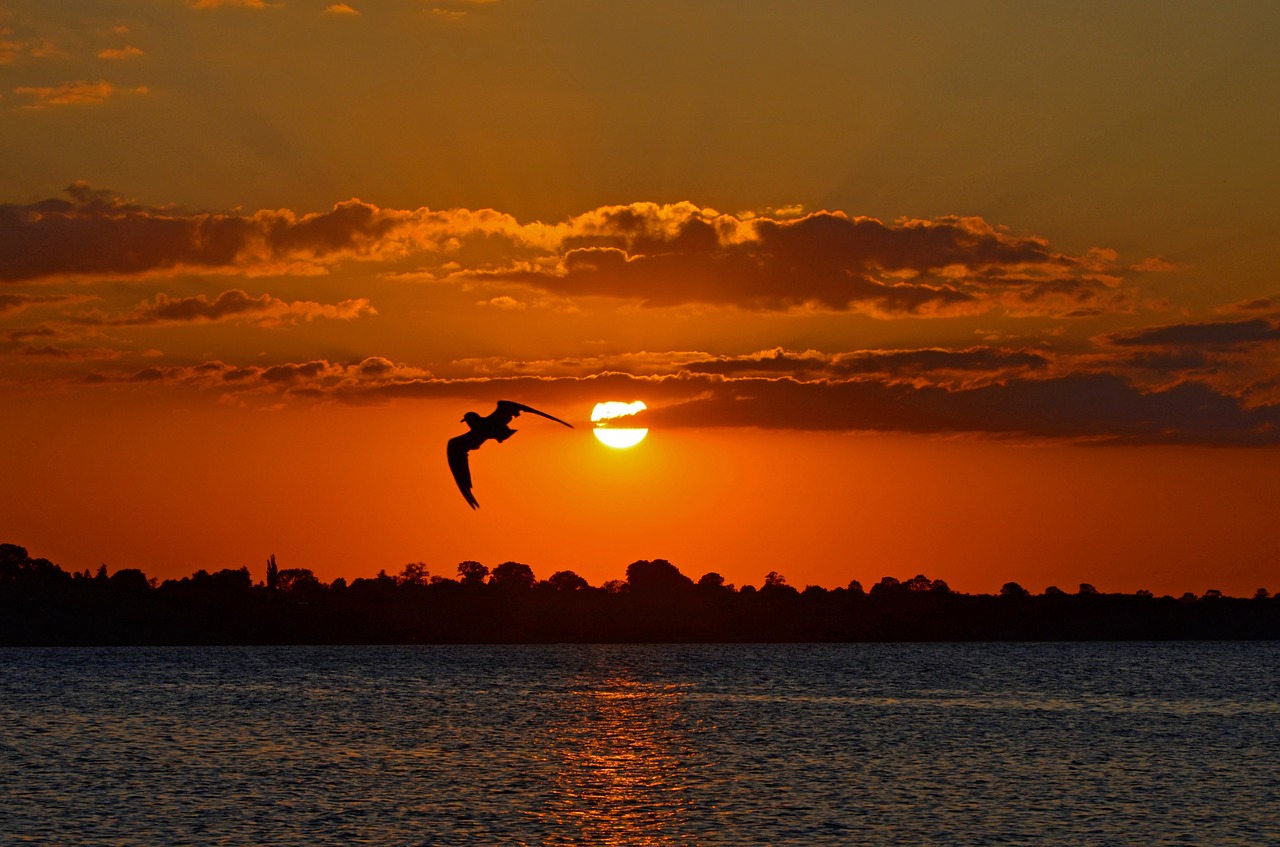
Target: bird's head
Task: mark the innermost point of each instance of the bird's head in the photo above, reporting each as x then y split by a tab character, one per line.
471	418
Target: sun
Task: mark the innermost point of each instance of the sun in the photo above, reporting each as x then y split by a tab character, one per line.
605	414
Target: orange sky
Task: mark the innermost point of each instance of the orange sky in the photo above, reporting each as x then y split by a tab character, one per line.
982	293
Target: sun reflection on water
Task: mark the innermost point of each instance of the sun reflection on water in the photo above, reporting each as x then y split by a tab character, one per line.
626	761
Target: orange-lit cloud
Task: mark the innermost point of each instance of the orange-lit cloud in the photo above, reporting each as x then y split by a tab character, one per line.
341	9
232	305
1097	408
220	4
78	93
15	50
97	233
648	254
14	303
933	365
120	53
316	379
680	254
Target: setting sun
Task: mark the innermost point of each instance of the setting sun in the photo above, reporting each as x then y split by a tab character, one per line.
620	437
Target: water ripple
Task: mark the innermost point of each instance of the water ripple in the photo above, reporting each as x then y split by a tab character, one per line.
642	745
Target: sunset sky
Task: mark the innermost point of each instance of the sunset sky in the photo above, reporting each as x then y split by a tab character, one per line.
985	291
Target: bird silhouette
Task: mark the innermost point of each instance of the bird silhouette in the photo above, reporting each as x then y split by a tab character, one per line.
495	425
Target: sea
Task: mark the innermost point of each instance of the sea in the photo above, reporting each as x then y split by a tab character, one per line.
1077	744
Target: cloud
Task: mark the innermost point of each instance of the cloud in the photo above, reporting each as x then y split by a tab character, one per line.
1154	264
1257	305
120	53
15	51
458	10
505	303
928	365
1100	408
641	362
232	305
68	354
316	379
341	9
229	4
1211	334
79	93
11	304
1096	408
681	254
647	254
96	233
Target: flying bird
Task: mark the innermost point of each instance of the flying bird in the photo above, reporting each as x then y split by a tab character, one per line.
495	425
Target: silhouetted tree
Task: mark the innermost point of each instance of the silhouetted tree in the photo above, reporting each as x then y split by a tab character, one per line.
237	580
657	576
273	573
129	579
472	573
13	559
298	580
854	587
512	576
886	585
919	582
1086	588
776	584
42	604
414	573
1013	591
567	581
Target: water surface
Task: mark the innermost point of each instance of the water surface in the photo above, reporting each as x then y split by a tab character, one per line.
1046	744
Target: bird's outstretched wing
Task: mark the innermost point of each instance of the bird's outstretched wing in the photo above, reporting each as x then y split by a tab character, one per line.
458	449
508	409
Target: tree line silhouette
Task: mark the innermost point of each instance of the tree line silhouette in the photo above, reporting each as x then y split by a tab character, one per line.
42	604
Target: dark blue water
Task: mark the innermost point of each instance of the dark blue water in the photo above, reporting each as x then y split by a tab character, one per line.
1045	744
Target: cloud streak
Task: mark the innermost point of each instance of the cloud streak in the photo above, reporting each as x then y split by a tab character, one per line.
1091	408
11	304
232	305
78	93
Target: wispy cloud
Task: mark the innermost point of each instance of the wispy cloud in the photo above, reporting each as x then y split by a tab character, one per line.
233	305
78	93
937	366
15	50
120	53
1210	334
341	9
230	4
13	303
1096	408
